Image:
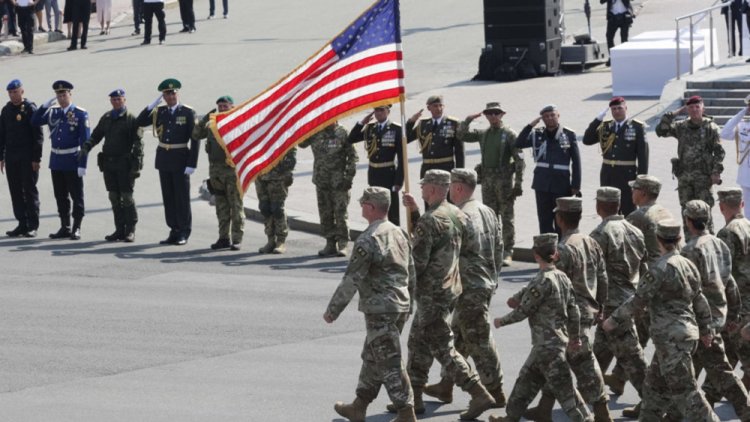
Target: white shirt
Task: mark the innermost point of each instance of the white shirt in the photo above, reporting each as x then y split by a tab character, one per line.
743	130
23	3
618	7
151	1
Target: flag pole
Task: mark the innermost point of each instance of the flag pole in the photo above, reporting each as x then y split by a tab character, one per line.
405	155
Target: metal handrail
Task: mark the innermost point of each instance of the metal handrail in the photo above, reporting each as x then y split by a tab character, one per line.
704	12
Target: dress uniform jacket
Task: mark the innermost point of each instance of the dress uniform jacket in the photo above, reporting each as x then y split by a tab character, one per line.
69	129
738	130
558	162
438	144
174	131
384	148
19	139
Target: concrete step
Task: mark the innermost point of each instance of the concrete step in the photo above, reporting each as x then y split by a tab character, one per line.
721	111
718	93
718	84
724	102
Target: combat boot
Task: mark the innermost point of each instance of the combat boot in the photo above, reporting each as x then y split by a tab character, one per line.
64	229
418	402
355	412
632	412
341	249
329	249
222	243
480	401
405	414
75	233
499	396
280	246
601	411
268	247
498	419
442	391
543	410
507	259
117	235
615	383
129	236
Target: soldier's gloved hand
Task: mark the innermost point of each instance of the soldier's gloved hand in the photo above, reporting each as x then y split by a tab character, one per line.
81	171
517	191
602	114
85	148
189	170
156	102
49	102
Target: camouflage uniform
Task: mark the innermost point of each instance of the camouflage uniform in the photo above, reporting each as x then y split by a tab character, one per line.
381	270
501	173
230	211
335	163
272	189
625	256
550	306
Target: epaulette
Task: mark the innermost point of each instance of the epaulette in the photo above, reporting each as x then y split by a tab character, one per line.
81	109
186	106
395	125
638	122
453	119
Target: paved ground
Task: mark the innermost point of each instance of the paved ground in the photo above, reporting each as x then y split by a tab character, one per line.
93	331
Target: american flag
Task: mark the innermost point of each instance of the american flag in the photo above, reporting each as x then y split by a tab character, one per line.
362	67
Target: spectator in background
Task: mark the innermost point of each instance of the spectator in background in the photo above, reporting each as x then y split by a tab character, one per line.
38	9
736	24
620	16
3	14
80	15
153	8
187	15
137	16
25	10
104	15
50	7
12	26
68	15
212	8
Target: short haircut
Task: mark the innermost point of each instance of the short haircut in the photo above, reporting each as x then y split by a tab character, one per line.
570	218
610	208
669	244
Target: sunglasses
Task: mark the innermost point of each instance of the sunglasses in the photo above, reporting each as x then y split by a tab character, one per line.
492	113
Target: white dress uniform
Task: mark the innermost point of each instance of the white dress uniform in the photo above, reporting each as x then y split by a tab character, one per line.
737	129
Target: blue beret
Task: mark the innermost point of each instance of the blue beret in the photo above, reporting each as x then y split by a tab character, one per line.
62	86
119	92
15	83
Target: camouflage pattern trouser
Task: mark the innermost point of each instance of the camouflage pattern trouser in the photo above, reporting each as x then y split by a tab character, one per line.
546	366
621	344
670	379
642	323
431	337
332	208
590	381
497	193
720	378
119	185
271	197
471	327
695	186
229	209
381	360
738	350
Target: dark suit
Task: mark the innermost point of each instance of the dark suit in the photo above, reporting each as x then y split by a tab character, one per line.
736	24
81	14
621	21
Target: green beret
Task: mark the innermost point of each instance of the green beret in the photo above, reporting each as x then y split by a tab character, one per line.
569	204
668	229
225	99
608	194
465	176
435	99
646	183
697	210
170	84
731	196
376	195
546	239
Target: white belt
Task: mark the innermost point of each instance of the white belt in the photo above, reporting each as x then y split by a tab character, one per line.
65	150
554	166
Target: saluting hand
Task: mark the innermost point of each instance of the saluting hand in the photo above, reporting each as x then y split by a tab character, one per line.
367	118
416	115
474	116
681	110
535	121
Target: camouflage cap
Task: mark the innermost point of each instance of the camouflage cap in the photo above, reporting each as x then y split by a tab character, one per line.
494	106
435	99
668	229
697	210
545	239
608	194
731	196
568	204
436	177
646	183
376	195
465	176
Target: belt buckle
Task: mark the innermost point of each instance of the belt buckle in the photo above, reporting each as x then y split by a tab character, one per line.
167	147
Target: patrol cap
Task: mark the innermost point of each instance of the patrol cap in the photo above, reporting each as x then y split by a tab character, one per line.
695	99
668	229
548	108
493	107
731	196
545	239
608	194
646	183
60	86
615	101
569	204
697	210
170	84
225	99
436	177
119	92
14	84
465	176
435	99
376	195
383	107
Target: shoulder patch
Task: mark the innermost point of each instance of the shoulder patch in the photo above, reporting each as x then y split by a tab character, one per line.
420	231
534	292
648	277
361	251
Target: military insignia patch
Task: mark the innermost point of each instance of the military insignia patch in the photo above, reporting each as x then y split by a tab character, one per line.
420	231
534	292
181	120
648	277
361	251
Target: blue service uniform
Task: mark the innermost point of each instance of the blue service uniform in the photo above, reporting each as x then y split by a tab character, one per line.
69	129
557	171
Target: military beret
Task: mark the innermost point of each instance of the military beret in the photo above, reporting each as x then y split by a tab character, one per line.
170	84
616	101
732	196
646	183
695	99
493	107
697	210
376	195
545	239
62	86
569	204
608	194
465	176
548	108
435	99
668	229
383	107
119	92
225	99
14	84
436	177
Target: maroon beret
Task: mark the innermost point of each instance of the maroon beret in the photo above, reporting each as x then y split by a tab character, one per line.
616	101
695	99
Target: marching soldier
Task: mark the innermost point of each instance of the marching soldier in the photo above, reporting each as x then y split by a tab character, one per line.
558	164
501	169
439	145
737	130
624	149
176	157
69	129
384	148
20	157
121	161
272	189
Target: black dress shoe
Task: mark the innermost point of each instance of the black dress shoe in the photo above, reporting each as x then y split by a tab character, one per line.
221	244
16	232
129	237
114	237
61	234
83	47
75	234
71	48
168	241
185	29
235	246
30	233
146	43
180	241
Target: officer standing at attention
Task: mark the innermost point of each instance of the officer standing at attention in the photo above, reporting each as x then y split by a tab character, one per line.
176	157
737	130
222	182
384	148
121	161
558	164
272	189
624	149
69	129
20	155
439	145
